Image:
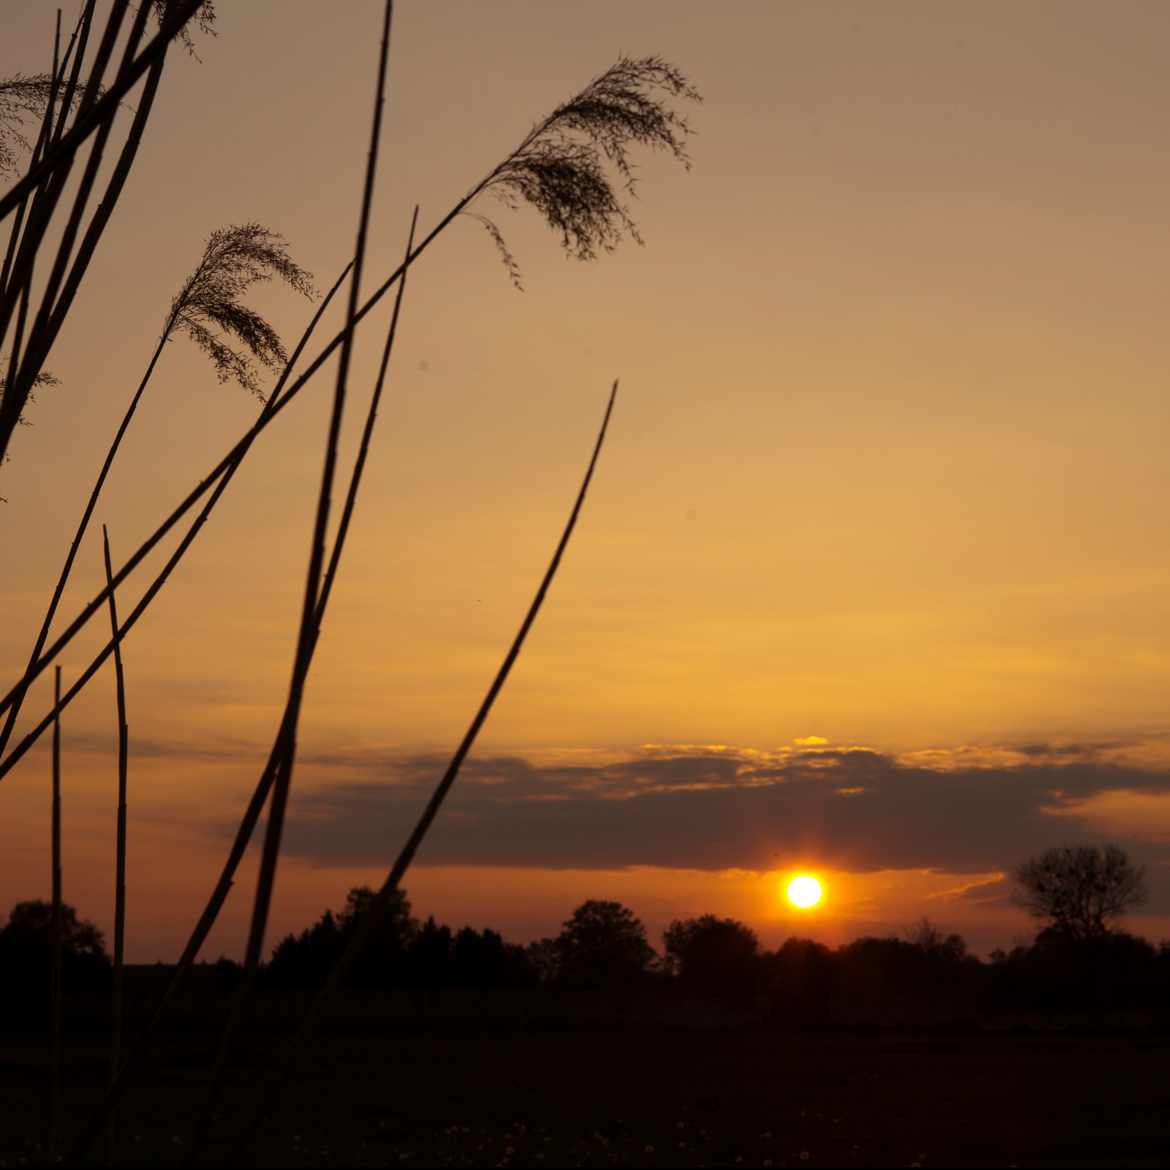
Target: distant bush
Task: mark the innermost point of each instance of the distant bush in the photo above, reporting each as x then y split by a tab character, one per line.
26	947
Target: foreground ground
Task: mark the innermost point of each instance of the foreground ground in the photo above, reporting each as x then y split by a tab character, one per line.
625	1094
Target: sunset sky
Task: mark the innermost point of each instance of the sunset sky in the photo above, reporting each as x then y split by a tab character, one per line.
874	577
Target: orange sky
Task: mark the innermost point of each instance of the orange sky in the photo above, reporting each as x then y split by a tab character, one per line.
887	467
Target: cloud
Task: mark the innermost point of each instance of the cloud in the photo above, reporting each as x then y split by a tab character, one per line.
718	807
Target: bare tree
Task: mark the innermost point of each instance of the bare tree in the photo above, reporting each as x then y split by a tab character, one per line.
1080	889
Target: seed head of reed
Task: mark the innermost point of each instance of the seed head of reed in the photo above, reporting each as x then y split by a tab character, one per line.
563	167
44	378
22	99
209	309
203	20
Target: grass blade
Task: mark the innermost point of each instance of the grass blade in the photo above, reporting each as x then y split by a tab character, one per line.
55	988
120	849
307	634
378	909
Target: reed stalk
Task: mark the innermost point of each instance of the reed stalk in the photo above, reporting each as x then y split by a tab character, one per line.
104	107
44	204
25	103
600	114
120	850
65	275
119	1084
307	633
233	260
57	1024
375	916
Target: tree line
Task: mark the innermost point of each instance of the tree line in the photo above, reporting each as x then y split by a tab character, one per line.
1079	960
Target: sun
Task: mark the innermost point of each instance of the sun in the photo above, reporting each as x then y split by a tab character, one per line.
804	892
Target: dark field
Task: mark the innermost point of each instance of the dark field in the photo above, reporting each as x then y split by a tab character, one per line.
614	1093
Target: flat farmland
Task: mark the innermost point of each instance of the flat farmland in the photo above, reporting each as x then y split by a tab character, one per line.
643	1096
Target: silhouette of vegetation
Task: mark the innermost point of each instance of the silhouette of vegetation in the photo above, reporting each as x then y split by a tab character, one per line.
119	846
26	953
645	72
305	960
560	167
23	99
715	957
33	200
208	309
1081	890
602	943
925	980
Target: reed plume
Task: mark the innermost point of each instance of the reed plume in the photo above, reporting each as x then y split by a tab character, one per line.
560	168
208	308
24	98
203	19
665	129
210	311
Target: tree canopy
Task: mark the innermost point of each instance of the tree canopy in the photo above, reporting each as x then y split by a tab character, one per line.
1080	889
602	942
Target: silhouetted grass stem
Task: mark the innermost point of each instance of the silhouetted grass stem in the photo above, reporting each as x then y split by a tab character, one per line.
379	907
120	847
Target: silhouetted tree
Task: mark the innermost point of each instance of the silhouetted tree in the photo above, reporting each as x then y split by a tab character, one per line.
26	944
602	943
430	955
304	960
800	979
485	960
717	957
1064	973
930	940
543	958
1080	890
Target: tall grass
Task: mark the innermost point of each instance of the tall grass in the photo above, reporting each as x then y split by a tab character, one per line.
34	198
119	848
628	104
375	916
561	168
208	309
57	1023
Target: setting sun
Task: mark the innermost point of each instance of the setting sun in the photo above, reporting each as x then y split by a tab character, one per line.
804	891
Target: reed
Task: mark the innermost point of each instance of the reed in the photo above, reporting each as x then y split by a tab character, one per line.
208	309
598	113
105	107
120	849
120	1082
307	634
57	1023
375	916
562	168
45	180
